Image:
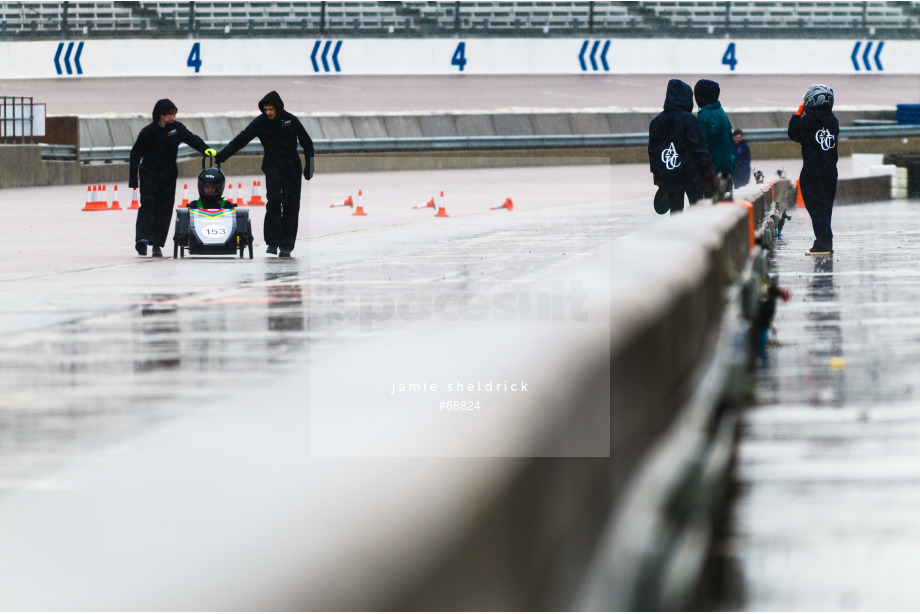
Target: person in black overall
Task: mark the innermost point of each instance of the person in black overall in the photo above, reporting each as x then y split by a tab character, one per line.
279	132
817	129
677	151
154	155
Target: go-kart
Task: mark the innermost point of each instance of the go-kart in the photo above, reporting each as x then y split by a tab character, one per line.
212	231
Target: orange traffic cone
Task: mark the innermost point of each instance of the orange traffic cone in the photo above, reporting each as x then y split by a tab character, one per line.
799	202
429	204
348	202
99	197
442	211
360	209
184	202
91	203
256	194
115	206
135	204
505	205
239	195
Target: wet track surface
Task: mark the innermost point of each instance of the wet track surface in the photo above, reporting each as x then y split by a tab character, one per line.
93	357
828	473
171	422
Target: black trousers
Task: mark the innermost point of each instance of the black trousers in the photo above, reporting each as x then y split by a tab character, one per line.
818	193
282	207
676	199
158	196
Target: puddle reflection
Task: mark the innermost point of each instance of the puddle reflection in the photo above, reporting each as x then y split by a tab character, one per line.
157	335
286	318
825	356
285	304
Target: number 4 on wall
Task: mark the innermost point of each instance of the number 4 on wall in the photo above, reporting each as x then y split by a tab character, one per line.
194	58
729	58
459	58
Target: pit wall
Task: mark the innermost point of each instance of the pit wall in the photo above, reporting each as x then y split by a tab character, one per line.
601	533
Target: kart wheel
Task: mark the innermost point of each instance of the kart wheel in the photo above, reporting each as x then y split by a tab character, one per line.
175	249
249	232
182	251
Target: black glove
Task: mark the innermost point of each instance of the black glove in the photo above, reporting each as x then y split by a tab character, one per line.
308	169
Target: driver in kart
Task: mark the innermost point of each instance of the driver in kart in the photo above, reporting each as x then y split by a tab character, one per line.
211	183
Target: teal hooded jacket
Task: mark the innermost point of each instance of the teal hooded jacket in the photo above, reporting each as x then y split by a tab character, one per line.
718	133
713	121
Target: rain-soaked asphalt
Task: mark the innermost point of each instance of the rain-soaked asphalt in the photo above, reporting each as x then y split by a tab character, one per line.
157	415
828	468
95	352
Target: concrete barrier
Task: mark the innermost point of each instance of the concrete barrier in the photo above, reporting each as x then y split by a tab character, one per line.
863	190
21	166
122	130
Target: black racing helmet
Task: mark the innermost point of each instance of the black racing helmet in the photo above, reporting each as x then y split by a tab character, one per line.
819	96
211	183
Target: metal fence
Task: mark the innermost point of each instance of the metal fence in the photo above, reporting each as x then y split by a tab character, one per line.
16	119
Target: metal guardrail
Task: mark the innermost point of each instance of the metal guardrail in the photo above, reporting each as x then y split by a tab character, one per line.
59	153
470	143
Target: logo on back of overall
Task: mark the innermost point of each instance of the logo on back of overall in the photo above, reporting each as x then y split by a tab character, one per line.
670	158
173	132
825	139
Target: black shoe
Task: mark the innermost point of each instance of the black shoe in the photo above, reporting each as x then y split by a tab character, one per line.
141	247
817	250
284	253
157	252
271	249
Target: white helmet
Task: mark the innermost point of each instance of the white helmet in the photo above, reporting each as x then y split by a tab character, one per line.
819	96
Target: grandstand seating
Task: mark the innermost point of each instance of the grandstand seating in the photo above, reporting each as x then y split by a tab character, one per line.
43	20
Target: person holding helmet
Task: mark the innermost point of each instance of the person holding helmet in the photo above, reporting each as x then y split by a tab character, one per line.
279	132
153	158
816	128
211	182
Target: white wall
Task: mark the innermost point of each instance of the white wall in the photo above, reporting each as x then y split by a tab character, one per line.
242	57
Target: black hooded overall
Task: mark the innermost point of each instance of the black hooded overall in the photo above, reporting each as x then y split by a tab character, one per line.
677	151
282	168
154	154
817	131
